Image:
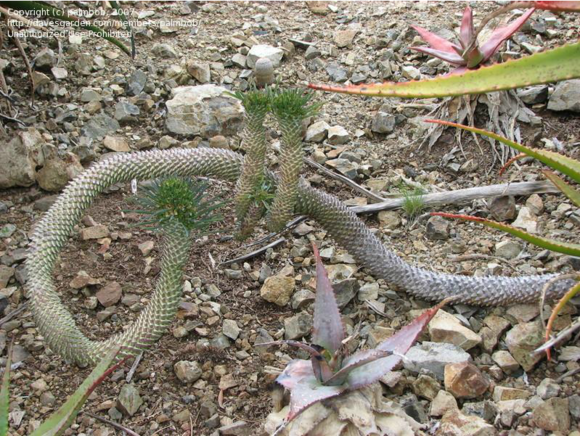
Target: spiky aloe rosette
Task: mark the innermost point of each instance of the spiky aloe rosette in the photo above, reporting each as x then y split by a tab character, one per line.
290	107
469	54
249	208
336	391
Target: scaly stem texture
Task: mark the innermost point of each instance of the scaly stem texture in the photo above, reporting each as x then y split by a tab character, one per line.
254	141
291	161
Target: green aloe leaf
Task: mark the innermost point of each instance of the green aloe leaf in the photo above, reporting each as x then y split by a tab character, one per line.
5	395
557	161
126	25
567	190
60	420
561	63
61	15
548	244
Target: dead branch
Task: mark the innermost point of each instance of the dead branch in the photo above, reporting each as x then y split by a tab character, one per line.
254	253
345	180
464	195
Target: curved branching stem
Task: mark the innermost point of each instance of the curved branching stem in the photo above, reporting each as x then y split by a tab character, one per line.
291	108
251	181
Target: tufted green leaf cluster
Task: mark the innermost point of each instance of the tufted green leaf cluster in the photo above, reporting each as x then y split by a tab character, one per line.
178	201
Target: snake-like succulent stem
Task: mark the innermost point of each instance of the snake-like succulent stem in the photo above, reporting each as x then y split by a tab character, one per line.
290	107
256	104
62	335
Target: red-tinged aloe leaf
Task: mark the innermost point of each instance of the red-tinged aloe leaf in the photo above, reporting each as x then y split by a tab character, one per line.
355	361
452	58
60	420
548	244
435	41
499	36
397	345
5	395
567	297
319	365
511	161
474	57
557	161
308	392
562	6
567	190
328	331
561	63
466	31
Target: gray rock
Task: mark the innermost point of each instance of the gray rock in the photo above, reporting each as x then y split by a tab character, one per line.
20	156
199	71
165	51
89	95
389	219
566	96
369	291
502	208
230	329
7	230
437	228
553	414
187	371
297	326
57	172
336	73
548	388
6	273
346	167
534	94
129	399
221	341
522	339
117	144
383	123
508	249
312	52
301	299
99	126
446	328
239	60
125	111
46	58
345	291
344	38
265	51
411	72
317	132
137	82
338	135
203	110
526	220
433	357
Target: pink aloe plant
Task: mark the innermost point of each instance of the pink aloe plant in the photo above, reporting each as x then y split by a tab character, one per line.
468	55
330	372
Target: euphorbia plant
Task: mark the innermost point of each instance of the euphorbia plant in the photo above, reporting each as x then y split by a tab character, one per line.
331	372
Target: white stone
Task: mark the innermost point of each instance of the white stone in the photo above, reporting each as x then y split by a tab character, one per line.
203	110
264	51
